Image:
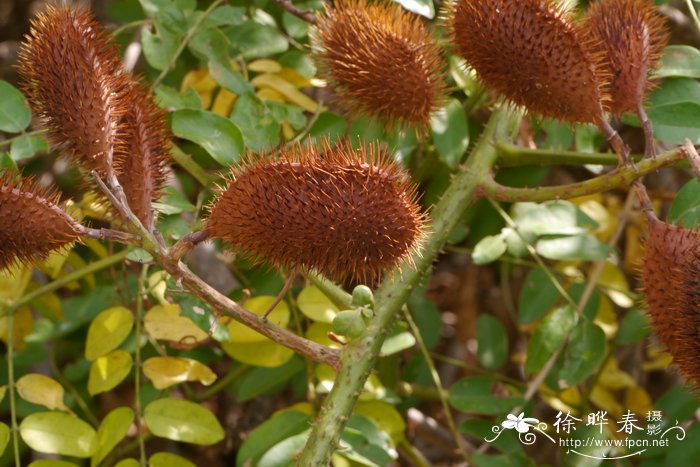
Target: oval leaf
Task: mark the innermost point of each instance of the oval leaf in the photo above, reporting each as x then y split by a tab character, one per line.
315	305
219	136
14	111
165	323
548	337
41	390
450	132
680	61
267	353
489	249
107	331
4	437
167	371
112	430
180	420
52	463
58	433
259	305
166	459
492	341
108	371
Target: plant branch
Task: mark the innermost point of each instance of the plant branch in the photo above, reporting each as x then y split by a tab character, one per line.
306	15
359	356
512	155
109	235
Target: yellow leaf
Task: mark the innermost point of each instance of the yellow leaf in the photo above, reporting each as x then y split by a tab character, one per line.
76	262
269	94
385	415
97	247
318	332
264	65
53	265
24	323
167	371
14	281
266	353
315	305
659	359
259	305
199	80
206	98
3	391
167	459
325	376
165	323
107	331
287	89
108	371
52	463
616	285
295	78
95	207
634	247
41	390
606	317
223	105
287	131
157	286
638	400
604	398
614	378
128	463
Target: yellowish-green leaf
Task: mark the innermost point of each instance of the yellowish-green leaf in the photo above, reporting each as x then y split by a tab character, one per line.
265	353
318	332
385	415
107	331
108	371
181	420
52	463
4	437
58	433
264	65
41	390
24	323
128	463
13	282
3	391
287	89
112	430
165	323
167	371
166	459
315	305
616	285
259	305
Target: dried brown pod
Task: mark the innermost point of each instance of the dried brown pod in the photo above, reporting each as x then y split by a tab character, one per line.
533	53
382	62
671	279
75	84
144	165
31	222
346	213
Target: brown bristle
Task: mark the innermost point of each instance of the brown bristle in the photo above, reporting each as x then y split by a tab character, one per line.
143	167
346	213
75	84
31	222
382	62
632	35
532	52
671	278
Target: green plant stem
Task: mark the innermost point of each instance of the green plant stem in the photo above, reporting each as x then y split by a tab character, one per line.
11	384
137	363
512	155
133	24
186	40
185	161
438	384
693	13
67	279
7	141
334	293
358	357
619	177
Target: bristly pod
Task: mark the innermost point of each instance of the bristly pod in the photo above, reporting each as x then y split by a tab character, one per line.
344	212
671	279
632	35
31	222
533	53
382	62
75	84
144	166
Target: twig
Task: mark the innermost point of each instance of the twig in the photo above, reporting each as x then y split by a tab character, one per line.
306	15
137	365
692	155
109	235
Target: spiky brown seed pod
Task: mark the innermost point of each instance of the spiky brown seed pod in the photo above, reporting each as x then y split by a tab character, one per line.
533	53
382	62
143	167
346	213
73	78
632	35
671	278
31	222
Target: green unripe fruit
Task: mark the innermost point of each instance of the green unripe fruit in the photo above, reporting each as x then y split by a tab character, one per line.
349	323
363	296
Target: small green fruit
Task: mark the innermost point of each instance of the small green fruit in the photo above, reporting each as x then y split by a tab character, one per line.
363	296
349	323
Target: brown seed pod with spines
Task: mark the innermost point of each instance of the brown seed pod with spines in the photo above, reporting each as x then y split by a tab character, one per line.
671	279
31	223
382	62
533	53
143	167
74	80
344	212
632	35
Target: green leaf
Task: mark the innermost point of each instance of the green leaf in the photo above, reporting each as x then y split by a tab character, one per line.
537	296
634	327
154	8
229	78
489	249
328	125
492	341
315	305
254	40
107	371
15	115
282	454
7	163
107	331
573	247
264	381
474	395
169	98
52	463
173	202
58	433
211	44
220	137
28	145
551	218
128	463
42	390
397	343
450	132
685	209
180	420
160	45
257	123
679	61
201	314
281	426
548	336
5	433
584	354
167	459
424	8
674	109
114	427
